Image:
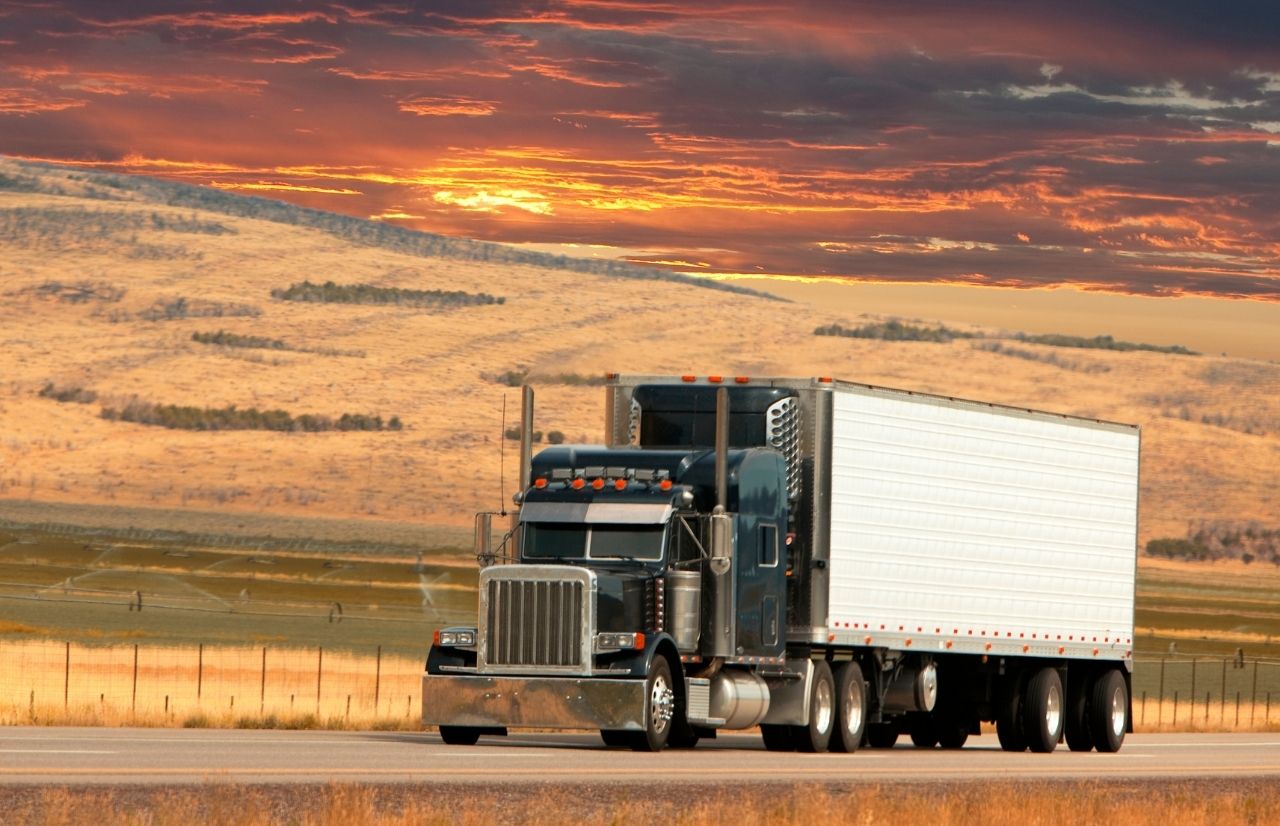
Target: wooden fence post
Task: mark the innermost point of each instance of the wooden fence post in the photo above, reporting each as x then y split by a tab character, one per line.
133	707
319	671
262	695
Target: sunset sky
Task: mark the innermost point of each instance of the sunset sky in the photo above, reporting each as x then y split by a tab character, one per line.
1121	147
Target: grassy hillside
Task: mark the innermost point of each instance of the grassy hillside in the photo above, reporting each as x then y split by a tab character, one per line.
124	293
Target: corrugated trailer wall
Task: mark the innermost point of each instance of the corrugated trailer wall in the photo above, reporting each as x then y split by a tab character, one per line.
958	526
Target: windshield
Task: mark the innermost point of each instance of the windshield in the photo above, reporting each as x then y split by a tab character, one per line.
578	540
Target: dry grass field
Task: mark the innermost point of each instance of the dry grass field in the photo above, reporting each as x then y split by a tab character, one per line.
1060	804
137	278
53	683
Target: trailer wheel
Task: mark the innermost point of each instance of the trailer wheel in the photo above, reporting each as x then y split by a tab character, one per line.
1009	719
1042	711
923	733
816	736
1109	711
778	738
459	735
660	699
1078	689
882	735
851	708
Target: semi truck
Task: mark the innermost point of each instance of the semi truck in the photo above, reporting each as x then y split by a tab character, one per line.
838	564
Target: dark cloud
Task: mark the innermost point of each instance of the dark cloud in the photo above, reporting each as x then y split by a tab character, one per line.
1131	147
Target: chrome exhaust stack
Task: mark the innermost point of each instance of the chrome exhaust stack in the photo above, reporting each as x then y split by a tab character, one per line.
724	636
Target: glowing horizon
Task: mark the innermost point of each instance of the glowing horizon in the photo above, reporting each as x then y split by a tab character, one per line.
1132	150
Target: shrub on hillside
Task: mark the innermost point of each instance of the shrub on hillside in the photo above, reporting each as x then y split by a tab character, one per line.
332	293
894	331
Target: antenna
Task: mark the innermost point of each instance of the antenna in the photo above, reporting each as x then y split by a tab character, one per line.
502	460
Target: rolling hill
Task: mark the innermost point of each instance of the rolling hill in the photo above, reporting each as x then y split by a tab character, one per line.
130	304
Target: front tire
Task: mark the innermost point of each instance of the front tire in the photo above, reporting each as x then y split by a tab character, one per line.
660	708
851	708
1042	709
1109	712
816	736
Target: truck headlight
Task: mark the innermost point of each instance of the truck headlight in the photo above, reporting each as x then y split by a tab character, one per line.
609	641
456	638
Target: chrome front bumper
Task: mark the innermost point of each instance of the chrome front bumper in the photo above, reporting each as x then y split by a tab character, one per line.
533	702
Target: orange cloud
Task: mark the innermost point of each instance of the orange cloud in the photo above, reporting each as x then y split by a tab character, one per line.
446	107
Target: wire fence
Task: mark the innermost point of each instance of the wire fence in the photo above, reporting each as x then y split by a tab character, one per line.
52	681
1206	693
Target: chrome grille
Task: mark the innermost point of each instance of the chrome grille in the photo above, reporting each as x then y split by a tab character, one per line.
534	621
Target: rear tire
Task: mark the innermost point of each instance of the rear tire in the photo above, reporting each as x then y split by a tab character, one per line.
1109	711
1078	689
816	736
1042	711
882	735
778	738
616	739
459	735
923	733
1009	720
851	708
952	731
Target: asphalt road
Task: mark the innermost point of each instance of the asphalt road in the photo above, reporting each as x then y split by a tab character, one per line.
78	756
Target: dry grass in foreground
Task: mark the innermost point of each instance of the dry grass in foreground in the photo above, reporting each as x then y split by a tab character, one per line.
1064	804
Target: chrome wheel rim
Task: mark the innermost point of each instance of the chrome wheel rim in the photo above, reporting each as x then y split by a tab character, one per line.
1118	712
1053	710
823	702
853	709
662	702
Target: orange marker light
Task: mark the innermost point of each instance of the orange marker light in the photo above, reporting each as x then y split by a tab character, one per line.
741	379
620	484
597	484
688	378
715	379
539	483
665	484
577	484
